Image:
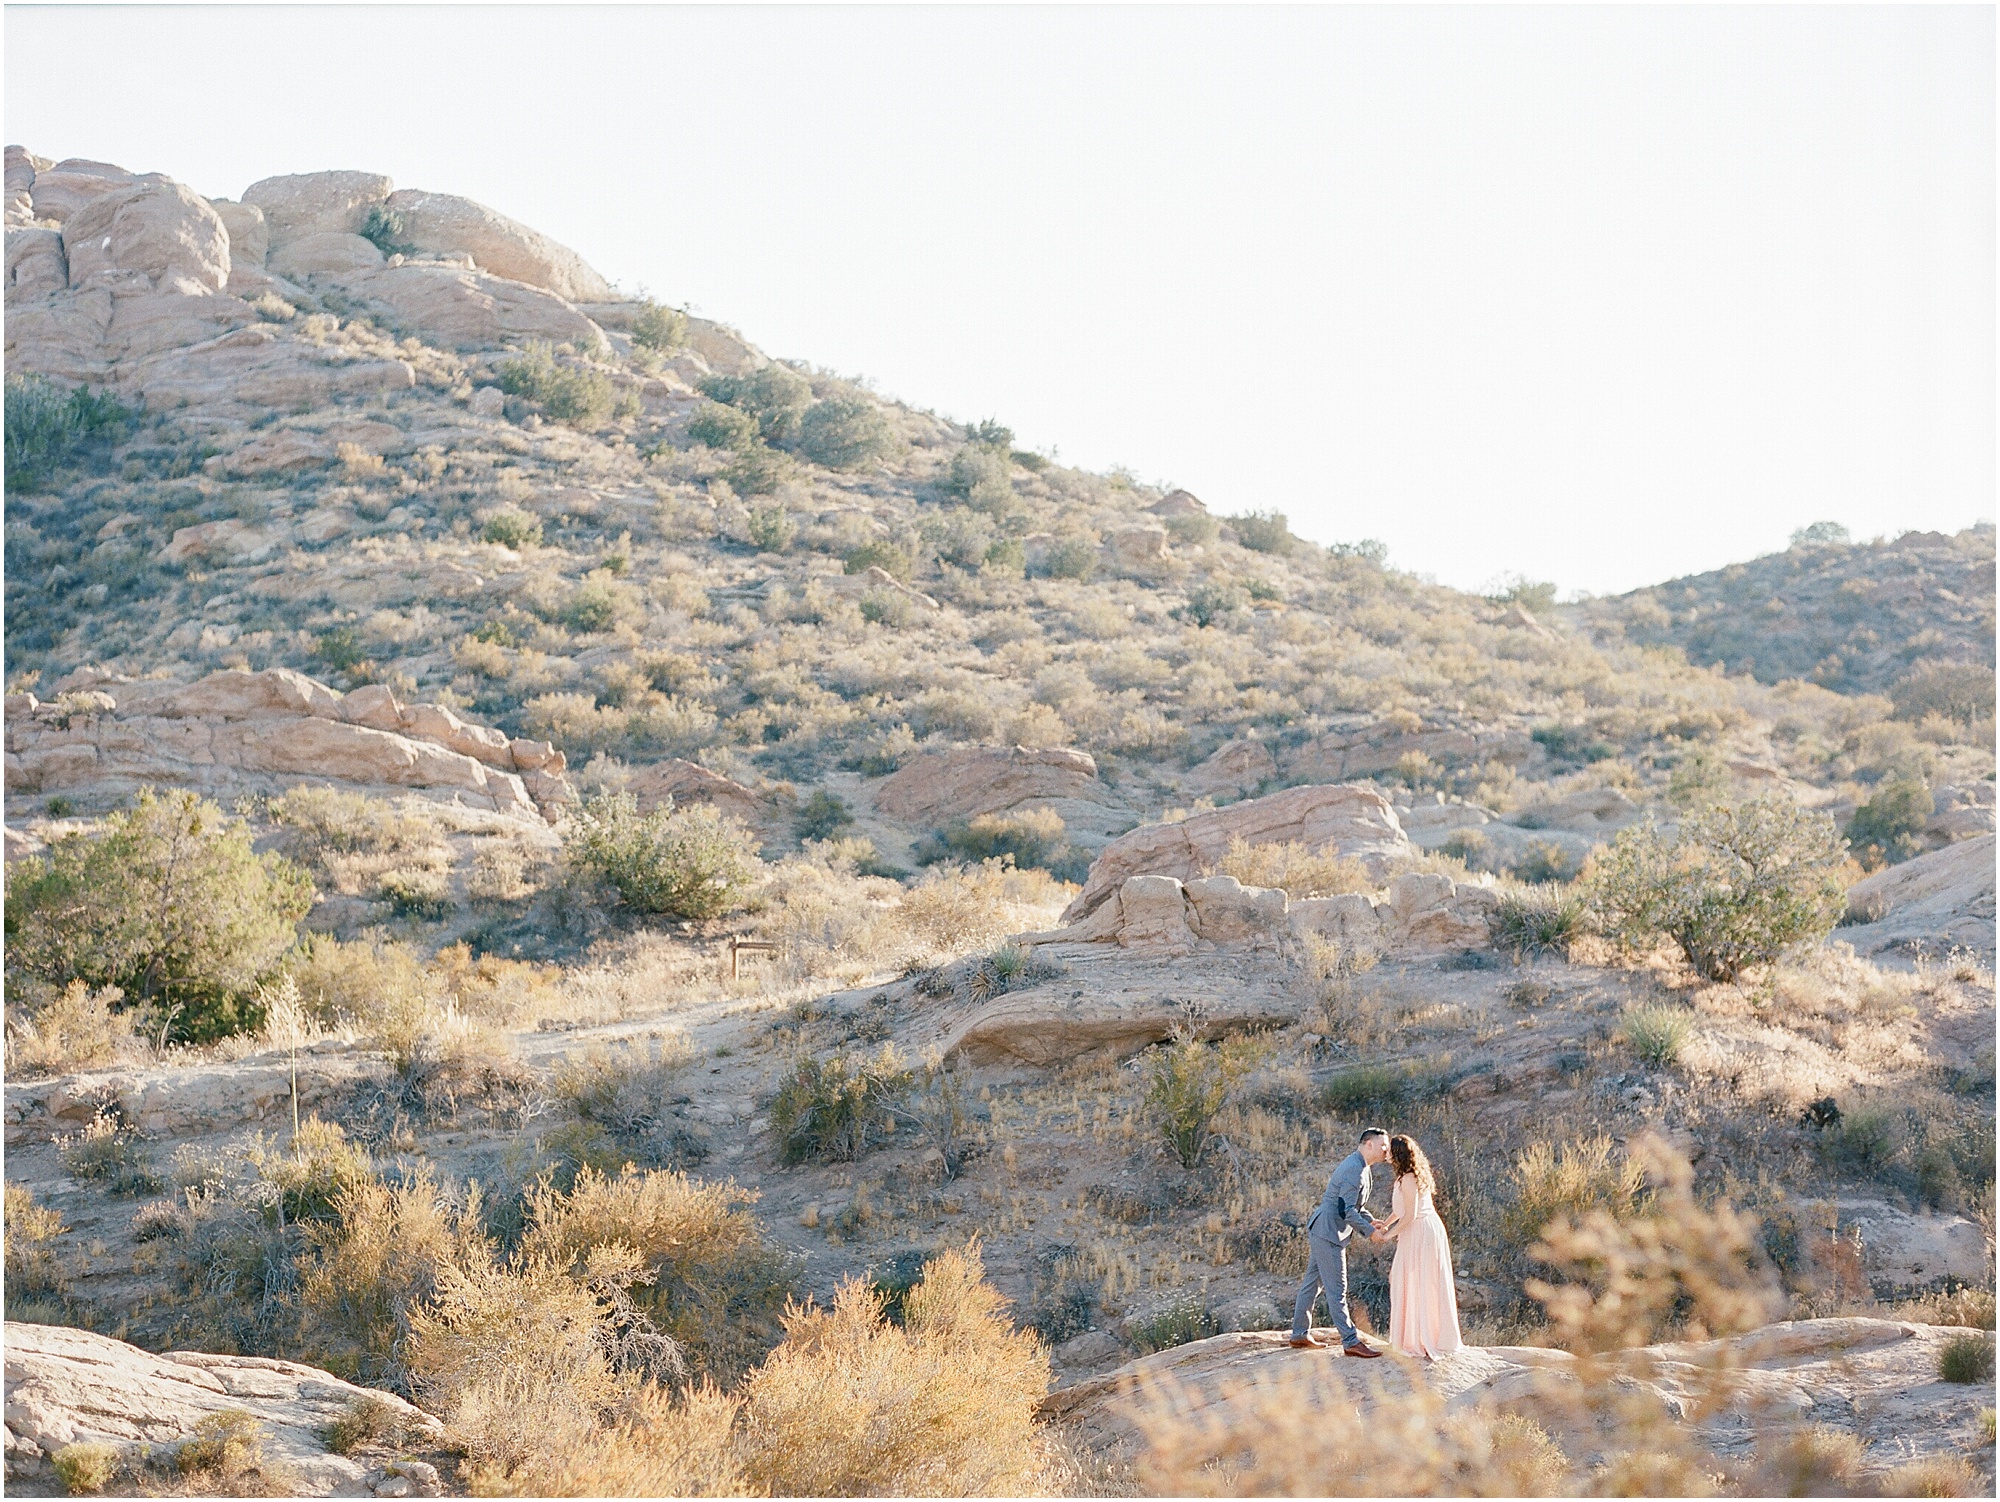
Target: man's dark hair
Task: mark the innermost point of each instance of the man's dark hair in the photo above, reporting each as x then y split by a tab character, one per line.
1372	1132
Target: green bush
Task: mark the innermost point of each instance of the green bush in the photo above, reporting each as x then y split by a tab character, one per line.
49	426
1189	1085
582	398
1264	532
822	816
1070	558
597	606
511	527
758	470
1369	1089
776	396
959	536
1966	1359
1735	888
1198	529
1890	825
168	902
980	476
1867	1138
1539	919
1007	556
893	559
1535	597
384	228
659	328
678	862
1208	604
837	1108
771	528
844	432
1657	1034
721	426
1186	1319
1029	838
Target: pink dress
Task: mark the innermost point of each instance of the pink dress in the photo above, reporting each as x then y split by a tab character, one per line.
1423	1301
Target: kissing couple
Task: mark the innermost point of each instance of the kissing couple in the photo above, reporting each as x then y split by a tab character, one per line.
1423	1299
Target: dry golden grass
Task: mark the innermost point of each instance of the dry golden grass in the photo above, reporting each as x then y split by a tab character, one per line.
1301	871
74	1028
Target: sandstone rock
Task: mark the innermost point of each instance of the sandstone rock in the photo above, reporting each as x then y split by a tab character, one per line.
60	191
21	168
36	264
1875	1379
1421	912
66	1385
1939	899
1961	812
1595	811
1227	912
313	203
277	451
1919	1249
249	235
1136	549
1430	825
874	580
500	246
1250	1311
688	782
159	230
940	786
1349	820
1178	503
461	306
722	349
1233	769
235	540
488	401
327	253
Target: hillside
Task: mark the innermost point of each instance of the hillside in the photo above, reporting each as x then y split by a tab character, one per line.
1104	862
1860	618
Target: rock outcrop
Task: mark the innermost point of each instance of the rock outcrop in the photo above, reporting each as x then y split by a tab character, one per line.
66	1386
688	782
1936	901
442	223
1875	1379
235	732
1419	912
1347	819
938	787
1233	769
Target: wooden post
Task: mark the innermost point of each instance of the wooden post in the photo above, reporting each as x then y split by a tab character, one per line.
738	945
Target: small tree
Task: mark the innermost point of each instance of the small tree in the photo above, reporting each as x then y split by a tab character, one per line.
168	902
777	396
1737	887
1190	1085
678	862
659	328
843	432
1890	825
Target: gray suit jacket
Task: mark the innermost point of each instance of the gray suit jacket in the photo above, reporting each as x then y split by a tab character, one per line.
1340	1214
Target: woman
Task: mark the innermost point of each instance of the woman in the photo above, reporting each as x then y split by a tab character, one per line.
1423	1303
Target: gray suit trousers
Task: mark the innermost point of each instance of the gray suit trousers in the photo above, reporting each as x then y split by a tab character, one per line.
1327	1268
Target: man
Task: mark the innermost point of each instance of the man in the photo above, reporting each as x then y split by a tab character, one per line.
1340	1214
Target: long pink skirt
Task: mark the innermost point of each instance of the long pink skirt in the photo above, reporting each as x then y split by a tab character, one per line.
1423	1302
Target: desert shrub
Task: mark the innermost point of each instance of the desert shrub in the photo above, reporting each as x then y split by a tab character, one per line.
385	229
980	476
1890	825
1866	1137
106	1151
892	558
1960	691
776	396
822	816
1185	1319
1301	871
1033	837
365	1421
1967	1359
85	1466
1070	558
1736	887
1264	532
48	426
62	1031
721	426
771	528
1538	919
843	432
1369	1089
315	1172
228	1449
660	328
628	1086
1543	861
323	823
681	863
598	604
511	527
1574	1179
758	469
1936	1476
1657	1034
837	1108
938	1107
1812	1462
1188	1084
582	398
35	1283
952	909
959	536
706	1275
1210	604
1196	530
168	902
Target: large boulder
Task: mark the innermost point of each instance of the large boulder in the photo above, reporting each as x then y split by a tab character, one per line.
58	192
249	235
1598	811
1347	819
66	1386
1935	901
442	222
36	264
315	203
1233	769
683	782
159	230
458	305
328	253
962	784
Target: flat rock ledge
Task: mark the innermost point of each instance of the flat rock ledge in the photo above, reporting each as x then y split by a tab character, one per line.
66	1385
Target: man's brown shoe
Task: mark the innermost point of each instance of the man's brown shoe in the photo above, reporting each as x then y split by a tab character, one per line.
1359	1350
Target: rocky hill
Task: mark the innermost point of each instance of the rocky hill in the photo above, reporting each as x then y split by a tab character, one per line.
1856	617
1106	862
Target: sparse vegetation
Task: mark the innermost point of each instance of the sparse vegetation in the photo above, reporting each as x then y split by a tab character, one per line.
1966	1359
837	1108
679	863
1658	1034
49	426
568	393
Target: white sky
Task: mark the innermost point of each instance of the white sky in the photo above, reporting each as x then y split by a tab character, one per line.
1596	295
